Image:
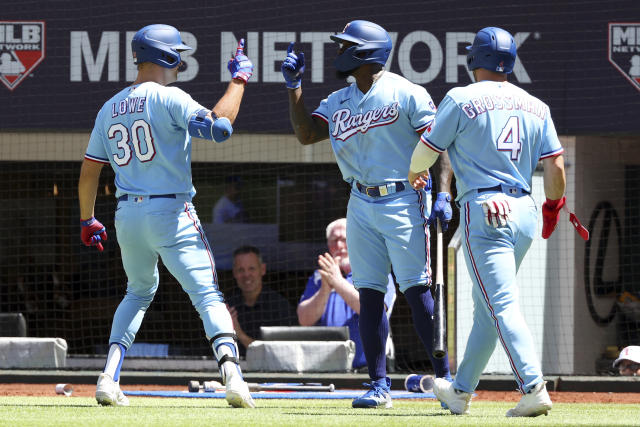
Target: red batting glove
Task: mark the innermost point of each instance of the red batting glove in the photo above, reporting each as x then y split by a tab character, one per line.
93	233
551	215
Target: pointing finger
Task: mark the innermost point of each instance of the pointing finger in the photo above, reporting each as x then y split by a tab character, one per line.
290	48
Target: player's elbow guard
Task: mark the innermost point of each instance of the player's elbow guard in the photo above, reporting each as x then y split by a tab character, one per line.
218	129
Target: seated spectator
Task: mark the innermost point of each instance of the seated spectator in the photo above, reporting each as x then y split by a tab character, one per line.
229	207
628	362
253	304
330	299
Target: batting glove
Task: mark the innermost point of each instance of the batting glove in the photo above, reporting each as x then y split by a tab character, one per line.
293	68
497	211
441	210
551	215
93	233
240	65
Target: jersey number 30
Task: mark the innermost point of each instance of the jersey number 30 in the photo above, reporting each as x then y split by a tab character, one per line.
509	139
140	138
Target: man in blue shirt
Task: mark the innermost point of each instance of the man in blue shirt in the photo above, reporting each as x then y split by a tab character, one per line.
330	299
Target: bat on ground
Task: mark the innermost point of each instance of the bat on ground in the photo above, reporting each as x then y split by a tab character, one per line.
213	386
439	313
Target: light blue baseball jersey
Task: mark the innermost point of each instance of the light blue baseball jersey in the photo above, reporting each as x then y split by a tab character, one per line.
500	133
142	133
373	135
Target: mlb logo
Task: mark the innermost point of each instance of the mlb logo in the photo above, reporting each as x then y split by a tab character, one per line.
21	50
624	50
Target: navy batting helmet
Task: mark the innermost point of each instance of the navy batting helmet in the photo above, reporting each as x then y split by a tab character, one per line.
373	45
493	49
158	43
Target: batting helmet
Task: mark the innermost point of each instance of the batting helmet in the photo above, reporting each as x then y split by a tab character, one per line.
158	43
373	45
493	49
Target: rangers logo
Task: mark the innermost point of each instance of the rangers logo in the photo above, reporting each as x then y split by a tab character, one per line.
624	50
347	124
21	50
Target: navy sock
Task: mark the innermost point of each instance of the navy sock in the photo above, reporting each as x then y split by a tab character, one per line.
421	303
374	329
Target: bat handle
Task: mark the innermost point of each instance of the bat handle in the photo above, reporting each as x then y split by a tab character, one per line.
439	254
439	316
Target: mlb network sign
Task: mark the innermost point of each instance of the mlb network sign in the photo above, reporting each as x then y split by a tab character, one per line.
21	50
624	50
113	54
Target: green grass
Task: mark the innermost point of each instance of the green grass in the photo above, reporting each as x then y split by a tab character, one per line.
77	411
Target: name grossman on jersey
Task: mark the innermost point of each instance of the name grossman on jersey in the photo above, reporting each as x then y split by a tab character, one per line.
486	103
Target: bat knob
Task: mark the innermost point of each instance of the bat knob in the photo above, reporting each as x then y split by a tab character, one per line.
194	386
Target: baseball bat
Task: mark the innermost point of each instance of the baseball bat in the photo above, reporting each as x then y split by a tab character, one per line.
439	313
212	386
290	387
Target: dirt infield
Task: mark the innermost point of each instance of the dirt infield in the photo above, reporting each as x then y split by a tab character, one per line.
87	390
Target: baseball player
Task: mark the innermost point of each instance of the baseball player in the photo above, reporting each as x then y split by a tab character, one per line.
495	134
373	124
144	132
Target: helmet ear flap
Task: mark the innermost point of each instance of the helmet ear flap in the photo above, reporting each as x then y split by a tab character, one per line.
170	59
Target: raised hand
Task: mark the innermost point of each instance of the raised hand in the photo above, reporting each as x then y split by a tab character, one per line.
441	210
293	68
240	65
93	233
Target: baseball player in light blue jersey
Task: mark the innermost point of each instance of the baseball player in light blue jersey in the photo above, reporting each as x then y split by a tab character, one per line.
144	132
372	125
495	134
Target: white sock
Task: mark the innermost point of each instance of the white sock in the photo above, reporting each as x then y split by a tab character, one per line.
113	361
229	369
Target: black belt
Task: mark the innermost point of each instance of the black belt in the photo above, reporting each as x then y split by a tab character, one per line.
498	188
125	197
381	190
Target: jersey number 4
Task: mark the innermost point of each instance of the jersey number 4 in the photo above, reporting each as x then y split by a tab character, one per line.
139	137
509	139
